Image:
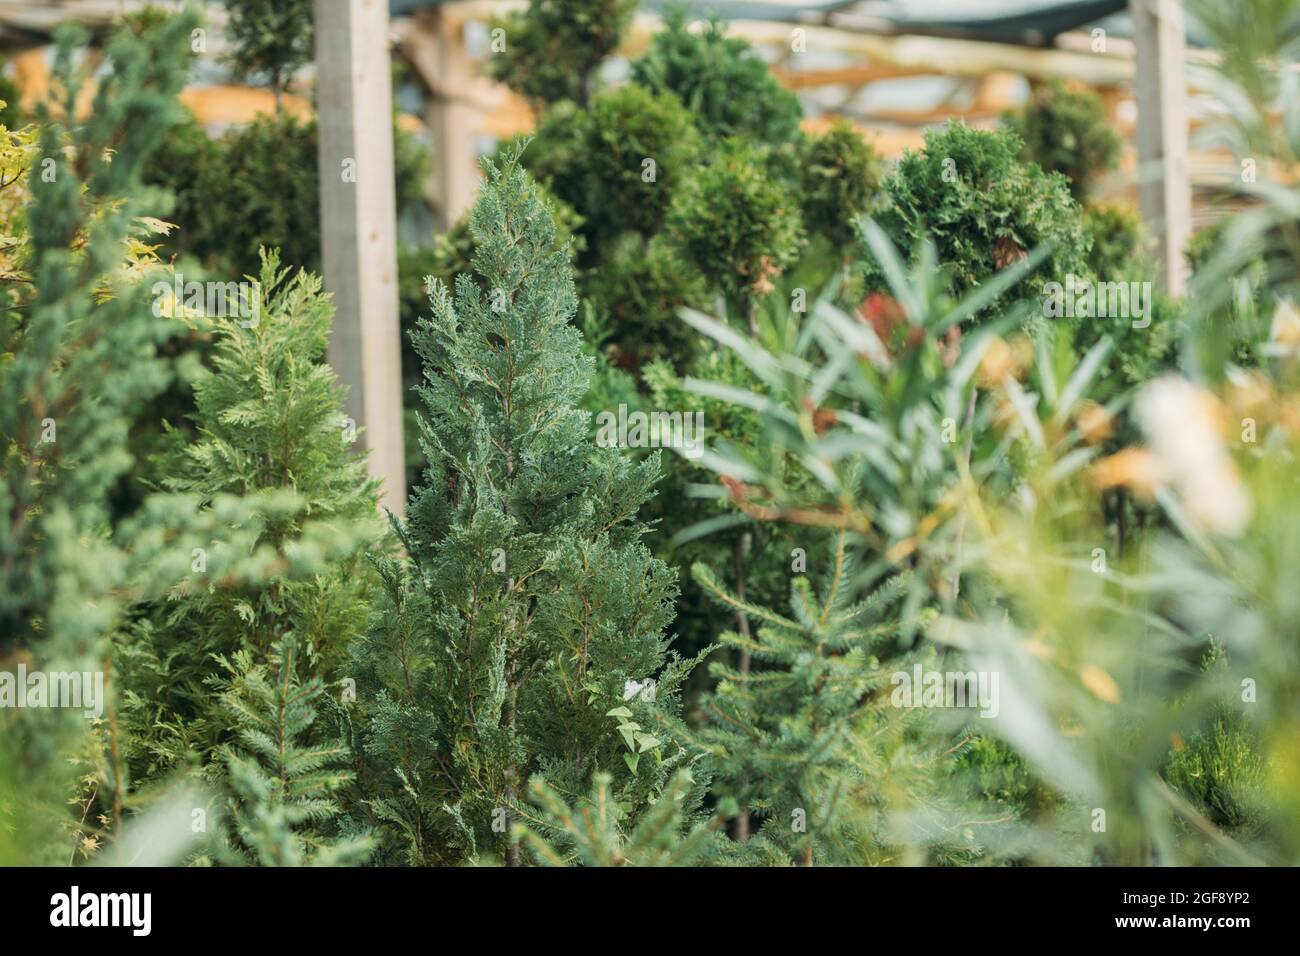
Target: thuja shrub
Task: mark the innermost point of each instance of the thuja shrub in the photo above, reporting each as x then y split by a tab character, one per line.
1118	242
270	428
1065	131
722	80
640	147
984	209
841	180
740	227
552	50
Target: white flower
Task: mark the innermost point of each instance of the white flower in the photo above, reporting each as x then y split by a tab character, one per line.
1183	425
1284	334
646	688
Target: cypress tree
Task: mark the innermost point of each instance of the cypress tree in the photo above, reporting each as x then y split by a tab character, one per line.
740	227
518	636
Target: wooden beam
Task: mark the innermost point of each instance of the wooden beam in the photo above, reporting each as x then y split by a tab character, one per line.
230	105
359	226
459	100
1164	188
855	75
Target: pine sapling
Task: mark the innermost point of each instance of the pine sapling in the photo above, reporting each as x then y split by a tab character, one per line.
283	788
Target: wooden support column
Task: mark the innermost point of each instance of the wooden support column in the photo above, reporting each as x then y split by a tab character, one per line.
1164	185
359	226
436	45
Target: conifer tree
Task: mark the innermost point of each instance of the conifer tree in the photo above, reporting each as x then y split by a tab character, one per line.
519	636
591	834
806	738
270	430
1066	131
968	192
739	227
282	788
841	177
270	39
640	147
77	363
721	79
553	48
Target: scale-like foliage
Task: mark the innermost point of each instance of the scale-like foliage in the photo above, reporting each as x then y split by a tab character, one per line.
721	79
738	226
529	602
968	192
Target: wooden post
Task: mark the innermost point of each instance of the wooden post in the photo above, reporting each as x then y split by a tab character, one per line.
1164	185
359	226
438	38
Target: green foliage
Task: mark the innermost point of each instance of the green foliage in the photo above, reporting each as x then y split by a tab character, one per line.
269	39
283	789
595	161
591	833
1000	528
639	290
186	167
1065	131
700	520
841	177
965	502
983	209
1118	242
252	188
249	193
809	737
1001	777
19	148
269	429
554	47
1221	766
556	156
529	601
738	226
451	254
11	114
76	364
626	127
720	80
